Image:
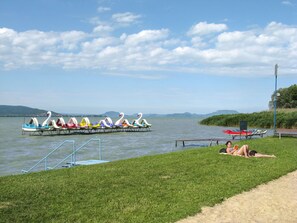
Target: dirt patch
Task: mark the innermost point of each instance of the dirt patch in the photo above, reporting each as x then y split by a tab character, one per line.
5	205
275	201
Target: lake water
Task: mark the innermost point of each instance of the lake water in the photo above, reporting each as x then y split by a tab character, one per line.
19	151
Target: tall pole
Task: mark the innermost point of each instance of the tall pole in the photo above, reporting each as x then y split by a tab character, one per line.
275	98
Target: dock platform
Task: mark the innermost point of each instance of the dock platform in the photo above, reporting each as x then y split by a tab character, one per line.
286	132
88	162
211	140
53	132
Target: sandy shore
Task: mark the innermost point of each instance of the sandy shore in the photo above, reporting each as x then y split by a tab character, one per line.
275	201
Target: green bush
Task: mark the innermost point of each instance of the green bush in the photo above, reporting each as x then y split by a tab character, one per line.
263	119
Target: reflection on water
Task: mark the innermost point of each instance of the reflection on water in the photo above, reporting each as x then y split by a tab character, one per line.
19	151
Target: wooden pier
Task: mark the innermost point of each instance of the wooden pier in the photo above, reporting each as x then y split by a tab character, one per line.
211	140
286	132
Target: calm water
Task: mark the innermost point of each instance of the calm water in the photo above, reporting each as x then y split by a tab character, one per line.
19	151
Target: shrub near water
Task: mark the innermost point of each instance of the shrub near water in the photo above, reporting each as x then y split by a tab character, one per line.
161	188
265	119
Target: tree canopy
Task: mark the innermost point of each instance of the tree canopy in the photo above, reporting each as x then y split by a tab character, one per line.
287	98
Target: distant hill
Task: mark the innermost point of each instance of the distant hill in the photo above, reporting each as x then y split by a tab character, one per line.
222	112
11	111
111	114
193	115
114	114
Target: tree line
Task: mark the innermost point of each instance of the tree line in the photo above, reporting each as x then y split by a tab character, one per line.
286	98
285	119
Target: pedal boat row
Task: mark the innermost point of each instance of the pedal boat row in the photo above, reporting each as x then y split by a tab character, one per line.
106	123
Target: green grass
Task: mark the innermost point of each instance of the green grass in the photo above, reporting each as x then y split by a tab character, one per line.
161	188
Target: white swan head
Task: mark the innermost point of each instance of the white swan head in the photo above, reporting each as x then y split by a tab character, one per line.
139	116
48	114
119	122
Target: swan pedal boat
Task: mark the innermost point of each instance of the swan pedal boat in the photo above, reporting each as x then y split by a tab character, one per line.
72	124
34	126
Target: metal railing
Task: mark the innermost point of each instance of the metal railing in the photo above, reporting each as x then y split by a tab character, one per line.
45	159
72	155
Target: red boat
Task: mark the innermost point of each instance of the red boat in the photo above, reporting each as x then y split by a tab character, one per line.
237	132
240	133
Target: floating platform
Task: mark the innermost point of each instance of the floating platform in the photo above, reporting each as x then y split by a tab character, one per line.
52	132
88	162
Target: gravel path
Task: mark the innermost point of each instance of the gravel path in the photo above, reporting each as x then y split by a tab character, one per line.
275	201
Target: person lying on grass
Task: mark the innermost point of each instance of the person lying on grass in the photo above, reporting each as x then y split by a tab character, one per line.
244	151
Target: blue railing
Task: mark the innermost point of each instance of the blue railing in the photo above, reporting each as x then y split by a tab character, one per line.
45	159
73	154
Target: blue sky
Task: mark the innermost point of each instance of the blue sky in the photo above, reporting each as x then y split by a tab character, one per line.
146	55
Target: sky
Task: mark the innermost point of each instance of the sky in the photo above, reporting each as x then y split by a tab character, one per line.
150	56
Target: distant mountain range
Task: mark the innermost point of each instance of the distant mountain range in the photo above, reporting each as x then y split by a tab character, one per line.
11	111
193	115
23	111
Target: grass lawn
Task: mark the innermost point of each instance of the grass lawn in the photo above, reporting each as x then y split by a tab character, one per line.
160	188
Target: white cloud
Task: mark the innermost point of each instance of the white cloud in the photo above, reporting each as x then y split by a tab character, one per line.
96	45
71	39
246	52
35	47
287	3
146	36
204	28
275	43
103	29
198	42
95	21
103	9
7	33
125	18
137	75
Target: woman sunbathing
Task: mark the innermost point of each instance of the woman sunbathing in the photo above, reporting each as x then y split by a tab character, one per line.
244	151
254	153
236	151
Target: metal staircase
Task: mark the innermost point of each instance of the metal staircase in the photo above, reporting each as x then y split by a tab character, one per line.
71	159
